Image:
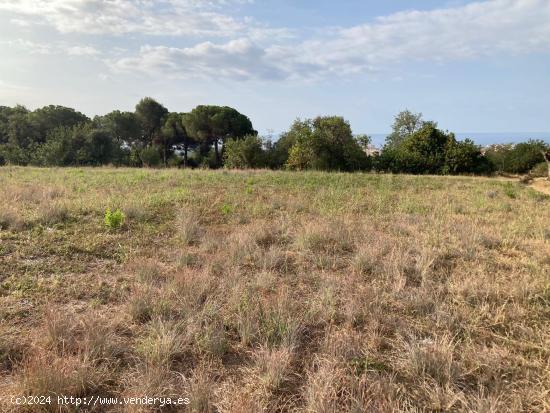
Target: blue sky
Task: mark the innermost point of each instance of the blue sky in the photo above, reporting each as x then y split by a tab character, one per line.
472	66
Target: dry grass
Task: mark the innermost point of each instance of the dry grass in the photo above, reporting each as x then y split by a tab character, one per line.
274	291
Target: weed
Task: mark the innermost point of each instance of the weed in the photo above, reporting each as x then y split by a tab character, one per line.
114	220
226	209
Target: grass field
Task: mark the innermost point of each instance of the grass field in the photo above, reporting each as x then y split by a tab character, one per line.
274	291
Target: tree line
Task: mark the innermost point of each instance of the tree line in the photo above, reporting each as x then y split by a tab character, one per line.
220	136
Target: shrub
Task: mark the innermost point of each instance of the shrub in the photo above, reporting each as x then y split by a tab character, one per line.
324	143
174	161
540	170
244	153
150	157
518	158
114	220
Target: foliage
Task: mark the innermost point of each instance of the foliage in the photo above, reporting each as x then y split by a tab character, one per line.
428	150
244	153
465	157
404	125
114	219
324	143
363	141
124	127
300	157
78	145
150	115
519	158
173	134
211	136
150	157
214	125
540	170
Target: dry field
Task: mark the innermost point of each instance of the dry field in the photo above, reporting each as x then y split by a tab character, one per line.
273	291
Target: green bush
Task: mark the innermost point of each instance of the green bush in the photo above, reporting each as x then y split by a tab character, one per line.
114	220
174	161
516	159
150	157
324	143
244	153
540	170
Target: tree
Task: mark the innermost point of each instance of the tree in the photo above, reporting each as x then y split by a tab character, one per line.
279	153
244	153
78	145
125	131
363	141
20	137
404	125
324	143
300	156
150	156
546	154
214	125
174	133
150	115
517	159
525	156
465	157
51	117
422	152
123	126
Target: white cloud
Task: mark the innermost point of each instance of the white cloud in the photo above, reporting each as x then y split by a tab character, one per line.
247	49
237	59
162	17
59	48
478	29
82	51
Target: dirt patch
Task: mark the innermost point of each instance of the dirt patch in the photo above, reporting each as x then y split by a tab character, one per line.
541	185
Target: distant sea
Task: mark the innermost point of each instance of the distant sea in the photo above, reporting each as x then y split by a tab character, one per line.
482	138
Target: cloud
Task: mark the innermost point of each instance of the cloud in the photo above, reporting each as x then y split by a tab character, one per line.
236	59
497	27
246	49
51	48
476	29
162	17
82	51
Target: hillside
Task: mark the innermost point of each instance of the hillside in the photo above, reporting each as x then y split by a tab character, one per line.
274	291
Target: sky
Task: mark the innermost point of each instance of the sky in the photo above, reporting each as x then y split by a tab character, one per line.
472	66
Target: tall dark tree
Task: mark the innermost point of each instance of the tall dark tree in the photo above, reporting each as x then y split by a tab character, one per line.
125	131
123	126
50	117
150	115
213	125
20	136
174	133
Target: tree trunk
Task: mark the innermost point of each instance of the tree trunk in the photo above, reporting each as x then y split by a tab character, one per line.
185	155
217	152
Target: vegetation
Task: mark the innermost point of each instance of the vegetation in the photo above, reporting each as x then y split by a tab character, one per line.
416	146
251	291
114	219
220	136
520	158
